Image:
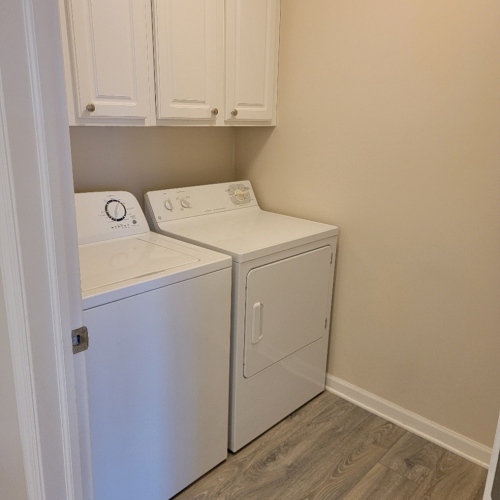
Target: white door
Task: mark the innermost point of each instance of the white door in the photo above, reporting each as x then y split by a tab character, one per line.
188	41
252	30
492	488
38	249
111	53
286	307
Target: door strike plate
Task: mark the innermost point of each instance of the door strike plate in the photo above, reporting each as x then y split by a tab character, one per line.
80	339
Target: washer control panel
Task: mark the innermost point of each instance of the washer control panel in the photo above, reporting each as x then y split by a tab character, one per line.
180	203
106	215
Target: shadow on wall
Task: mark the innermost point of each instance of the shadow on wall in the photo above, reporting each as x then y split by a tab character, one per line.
141	159
246	159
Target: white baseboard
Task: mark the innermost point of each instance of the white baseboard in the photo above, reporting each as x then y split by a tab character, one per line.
452	441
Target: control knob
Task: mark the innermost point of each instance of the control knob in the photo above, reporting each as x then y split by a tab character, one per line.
240	195
185	203
115	210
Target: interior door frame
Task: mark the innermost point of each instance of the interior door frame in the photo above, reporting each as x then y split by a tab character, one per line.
38	246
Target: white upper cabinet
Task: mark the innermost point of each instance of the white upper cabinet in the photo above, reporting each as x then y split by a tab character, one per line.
171	62
252	38
109	50
188	44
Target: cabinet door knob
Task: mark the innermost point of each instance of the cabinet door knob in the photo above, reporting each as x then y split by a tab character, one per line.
234	112
90	107
215	111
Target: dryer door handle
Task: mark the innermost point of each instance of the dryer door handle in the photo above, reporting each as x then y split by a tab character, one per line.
257	319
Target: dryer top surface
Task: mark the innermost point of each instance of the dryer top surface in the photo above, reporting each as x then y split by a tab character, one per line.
248	233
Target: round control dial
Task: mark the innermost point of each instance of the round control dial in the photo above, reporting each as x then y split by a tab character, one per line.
115	210
240	194
185	203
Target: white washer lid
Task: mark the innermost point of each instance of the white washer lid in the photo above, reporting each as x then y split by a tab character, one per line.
248	233
117	261
114	269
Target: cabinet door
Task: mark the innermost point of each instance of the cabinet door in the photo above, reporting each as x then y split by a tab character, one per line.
252	38
110	49
188	36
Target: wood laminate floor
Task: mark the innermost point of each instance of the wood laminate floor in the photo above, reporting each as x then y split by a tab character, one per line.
332	449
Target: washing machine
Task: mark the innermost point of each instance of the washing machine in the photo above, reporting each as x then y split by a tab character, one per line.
283	270
152	386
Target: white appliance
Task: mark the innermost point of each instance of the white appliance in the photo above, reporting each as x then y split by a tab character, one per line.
153	385
283	271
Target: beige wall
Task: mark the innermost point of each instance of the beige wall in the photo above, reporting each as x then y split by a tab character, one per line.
139	159
12	479
388	126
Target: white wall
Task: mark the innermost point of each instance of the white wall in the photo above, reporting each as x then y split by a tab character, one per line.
388	126
12	480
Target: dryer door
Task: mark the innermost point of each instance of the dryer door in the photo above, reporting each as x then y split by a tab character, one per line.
286	307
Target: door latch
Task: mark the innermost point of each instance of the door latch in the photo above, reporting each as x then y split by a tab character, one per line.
80	339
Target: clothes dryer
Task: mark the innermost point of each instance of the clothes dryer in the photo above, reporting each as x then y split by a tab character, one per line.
283	270
152	387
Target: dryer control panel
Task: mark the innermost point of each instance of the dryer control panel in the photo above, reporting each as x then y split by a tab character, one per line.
106	215
180	203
